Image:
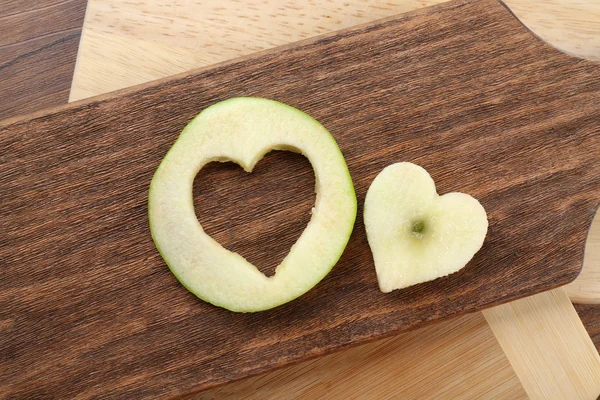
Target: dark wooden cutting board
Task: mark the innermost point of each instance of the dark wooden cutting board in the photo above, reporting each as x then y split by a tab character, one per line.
88	307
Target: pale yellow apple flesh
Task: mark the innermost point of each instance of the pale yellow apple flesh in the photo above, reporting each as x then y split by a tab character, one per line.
243	130
414	234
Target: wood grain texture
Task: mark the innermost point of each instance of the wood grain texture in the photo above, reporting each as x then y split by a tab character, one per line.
158	323
590	316
14	7
573	362
38	48
398	367
172	37
567	364
544	340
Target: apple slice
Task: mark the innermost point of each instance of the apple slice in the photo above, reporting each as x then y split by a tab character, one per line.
243	130
416	235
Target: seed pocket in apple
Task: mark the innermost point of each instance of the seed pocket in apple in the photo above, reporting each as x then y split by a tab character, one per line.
243	130
414	234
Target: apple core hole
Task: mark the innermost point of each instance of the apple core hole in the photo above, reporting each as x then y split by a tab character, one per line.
418	228
259	215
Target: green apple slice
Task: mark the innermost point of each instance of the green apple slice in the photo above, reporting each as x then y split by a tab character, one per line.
416	235
243	130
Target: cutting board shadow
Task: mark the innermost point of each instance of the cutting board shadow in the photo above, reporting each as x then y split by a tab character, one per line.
462	89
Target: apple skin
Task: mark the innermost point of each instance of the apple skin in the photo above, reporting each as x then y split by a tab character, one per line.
243	130
416	235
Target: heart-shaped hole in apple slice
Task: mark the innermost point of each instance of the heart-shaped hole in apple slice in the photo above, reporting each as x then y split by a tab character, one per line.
416	235
258	215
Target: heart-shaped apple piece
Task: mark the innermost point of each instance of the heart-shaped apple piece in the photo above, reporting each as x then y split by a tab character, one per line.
415	234
243	130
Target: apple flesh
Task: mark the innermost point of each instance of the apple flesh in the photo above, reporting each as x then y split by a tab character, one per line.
243	130
414	234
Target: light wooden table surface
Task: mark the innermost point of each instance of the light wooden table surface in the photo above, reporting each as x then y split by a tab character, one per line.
535	347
